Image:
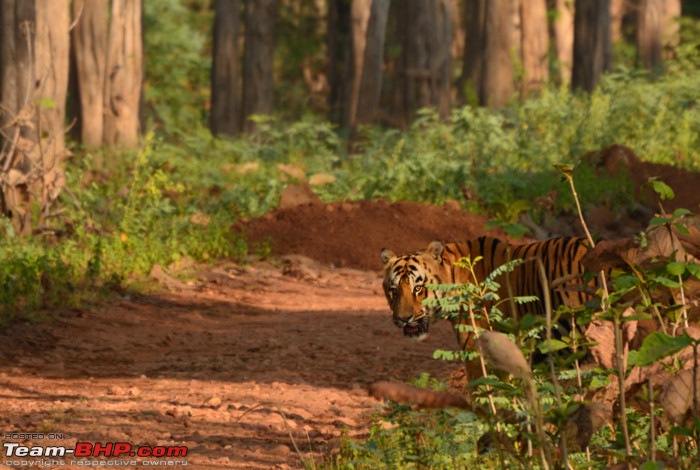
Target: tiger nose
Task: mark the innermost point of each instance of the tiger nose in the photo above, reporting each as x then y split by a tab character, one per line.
405	319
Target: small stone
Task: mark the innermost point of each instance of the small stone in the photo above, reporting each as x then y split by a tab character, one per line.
213	402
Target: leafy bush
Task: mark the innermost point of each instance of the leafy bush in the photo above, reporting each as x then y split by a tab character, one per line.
513	414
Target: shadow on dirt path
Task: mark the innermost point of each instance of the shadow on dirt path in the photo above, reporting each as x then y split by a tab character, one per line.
214	367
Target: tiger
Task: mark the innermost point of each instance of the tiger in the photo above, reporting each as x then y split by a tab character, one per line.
406	278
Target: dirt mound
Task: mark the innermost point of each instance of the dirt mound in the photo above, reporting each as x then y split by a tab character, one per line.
351	234
684	183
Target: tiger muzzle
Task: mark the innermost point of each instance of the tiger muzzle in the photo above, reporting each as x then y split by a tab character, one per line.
416	329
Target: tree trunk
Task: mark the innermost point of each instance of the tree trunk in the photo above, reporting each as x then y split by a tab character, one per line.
592	46
426	38
535	44
564	39
51	73
338	36
372	63
18	123
469	82
124	74
225	92
497	65
650	27
360	12
672	27
33	86
618	10
89	50
258	78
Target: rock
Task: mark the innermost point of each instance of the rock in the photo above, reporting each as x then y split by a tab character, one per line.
213	402
298	194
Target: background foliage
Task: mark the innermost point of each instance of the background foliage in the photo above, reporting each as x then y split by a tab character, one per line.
179	196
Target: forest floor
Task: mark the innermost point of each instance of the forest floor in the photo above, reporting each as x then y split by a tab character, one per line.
242	364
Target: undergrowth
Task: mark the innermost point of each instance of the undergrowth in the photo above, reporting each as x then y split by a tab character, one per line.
589	421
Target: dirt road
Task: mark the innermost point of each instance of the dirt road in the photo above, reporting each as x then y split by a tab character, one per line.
212	366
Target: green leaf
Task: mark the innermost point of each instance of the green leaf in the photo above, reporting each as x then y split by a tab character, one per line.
667	282
694	269
682	229
657	221
651	465
675	268
515	230
556	345
681	212
599	382
625	281
566	170
659	345
662	189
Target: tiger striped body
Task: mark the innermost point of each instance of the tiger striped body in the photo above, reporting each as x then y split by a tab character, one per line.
406	277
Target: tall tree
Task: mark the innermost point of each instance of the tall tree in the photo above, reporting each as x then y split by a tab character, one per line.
619	9
225	91
563	32
672	27
497	83
258	79
426	29
89	46
469	82
124	74
339	65
33	85
360	11
534	44
489	43
592	45
372	62
650	32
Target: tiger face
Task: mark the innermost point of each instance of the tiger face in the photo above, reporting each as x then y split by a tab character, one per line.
405	285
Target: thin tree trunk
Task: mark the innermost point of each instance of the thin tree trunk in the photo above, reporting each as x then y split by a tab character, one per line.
33	86
89	43
564	39
360	13
372	63
51	73
592	47
535	44
497	67
650	29
18	117
124	74
17	18
338	36
426	37
258	79
469	82
225	91
672	27
618	10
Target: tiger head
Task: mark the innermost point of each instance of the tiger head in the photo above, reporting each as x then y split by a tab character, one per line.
405	285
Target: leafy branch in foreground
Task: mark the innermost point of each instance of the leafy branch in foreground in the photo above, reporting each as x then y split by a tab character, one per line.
651	279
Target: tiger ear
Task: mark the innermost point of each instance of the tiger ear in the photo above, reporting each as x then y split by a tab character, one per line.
436	248
387	255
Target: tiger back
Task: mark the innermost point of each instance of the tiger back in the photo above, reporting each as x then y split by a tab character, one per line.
406	278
